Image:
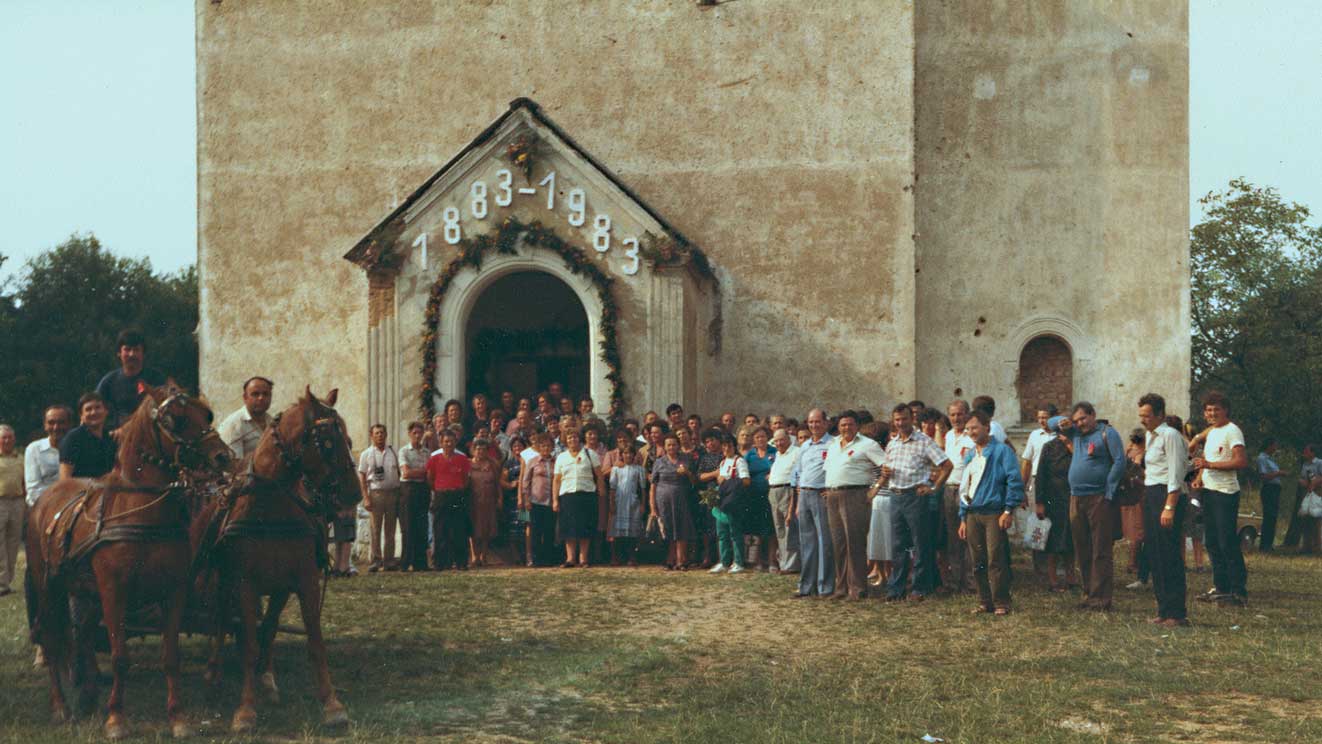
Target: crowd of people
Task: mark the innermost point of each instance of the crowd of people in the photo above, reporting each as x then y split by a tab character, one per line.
921	503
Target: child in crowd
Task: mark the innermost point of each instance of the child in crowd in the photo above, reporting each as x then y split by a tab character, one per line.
627	480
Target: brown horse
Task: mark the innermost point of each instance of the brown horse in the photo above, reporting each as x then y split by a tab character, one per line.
121	540
267	538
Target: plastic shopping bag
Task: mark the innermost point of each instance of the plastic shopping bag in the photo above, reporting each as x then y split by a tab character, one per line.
1036	531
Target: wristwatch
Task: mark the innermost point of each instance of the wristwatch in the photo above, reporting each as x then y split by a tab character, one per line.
1168	507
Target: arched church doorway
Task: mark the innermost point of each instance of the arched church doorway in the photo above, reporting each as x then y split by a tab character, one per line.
527	330
1046	375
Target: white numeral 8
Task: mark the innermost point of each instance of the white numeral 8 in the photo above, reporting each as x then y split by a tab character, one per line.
452	231
632	253
478	206
601	234
578	202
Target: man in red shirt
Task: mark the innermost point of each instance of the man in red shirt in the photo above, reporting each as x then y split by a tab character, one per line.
447	474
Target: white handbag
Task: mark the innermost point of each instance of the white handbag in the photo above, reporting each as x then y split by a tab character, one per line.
1311	506
1036	531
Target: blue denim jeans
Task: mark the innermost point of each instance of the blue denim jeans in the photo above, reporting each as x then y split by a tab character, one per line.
911	524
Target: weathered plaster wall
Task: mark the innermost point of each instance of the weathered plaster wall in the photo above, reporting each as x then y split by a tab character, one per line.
777	135
1052	186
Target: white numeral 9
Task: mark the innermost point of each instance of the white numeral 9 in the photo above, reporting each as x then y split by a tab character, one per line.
632	253
601	234
578	202
478	206
504	194
452	231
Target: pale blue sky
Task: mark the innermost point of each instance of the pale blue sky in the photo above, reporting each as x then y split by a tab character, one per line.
99	130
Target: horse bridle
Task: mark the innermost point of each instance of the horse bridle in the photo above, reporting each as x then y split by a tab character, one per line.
163	427
322	434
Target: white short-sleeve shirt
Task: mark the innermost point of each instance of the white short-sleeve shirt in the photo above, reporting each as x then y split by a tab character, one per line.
1220	447
577	472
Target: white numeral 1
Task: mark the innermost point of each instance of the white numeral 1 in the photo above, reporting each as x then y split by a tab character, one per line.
505	194
549	183
421	242
632	254
601	234
578	202
452	230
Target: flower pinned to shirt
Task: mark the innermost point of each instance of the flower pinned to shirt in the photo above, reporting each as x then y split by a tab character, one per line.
142	387
1092	448
850	453
823	456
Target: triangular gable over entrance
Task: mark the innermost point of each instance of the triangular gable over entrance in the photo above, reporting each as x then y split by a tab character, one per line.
524	196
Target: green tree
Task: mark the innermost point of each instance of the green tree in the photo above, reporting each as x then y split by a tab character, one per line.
59	322
1257	310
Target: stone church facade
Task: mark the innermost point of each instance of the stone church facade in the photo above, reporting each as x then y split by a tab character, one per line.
753	206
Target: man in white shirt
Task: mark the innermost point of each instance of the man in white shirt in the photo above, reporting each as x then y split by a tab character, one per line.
781	497
957	444
1166	458
12	506
1037	439
1223	456
378	471
243	429
851	465
1304	526
41	459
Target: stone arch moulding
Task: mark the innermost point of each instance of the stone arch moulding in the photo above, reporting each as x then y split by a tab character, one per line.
1075	339
469	284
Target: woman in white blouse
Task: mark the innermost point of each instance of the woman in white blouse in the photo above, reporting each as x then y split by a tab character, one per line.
575	490
729	538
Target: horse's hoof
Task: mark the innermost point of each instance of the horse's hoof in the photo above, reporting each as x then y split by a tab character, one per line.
272	691
245	721
181	730
336	717
116	729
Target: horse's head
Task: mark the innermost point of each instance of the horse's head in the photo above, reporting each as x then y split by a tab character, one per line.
314	444
178	427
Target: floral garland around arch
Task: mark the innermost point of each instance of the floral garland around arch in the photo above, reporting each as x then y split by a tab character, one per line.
505	242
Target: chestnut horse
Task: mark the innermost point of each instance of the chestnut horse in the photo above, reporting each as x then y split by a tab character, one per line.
121	539
267	538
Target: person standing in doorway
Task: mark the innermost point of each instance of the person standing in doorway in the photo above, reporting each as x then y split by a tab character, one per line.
1096	469
1223	456
1270	474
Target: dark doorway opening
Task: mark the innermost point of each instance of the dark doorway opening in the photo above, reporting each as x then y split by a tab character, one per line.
527	330
1046	375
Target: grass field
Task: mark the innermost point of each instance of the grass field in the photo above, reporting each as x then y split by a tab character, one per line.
636	655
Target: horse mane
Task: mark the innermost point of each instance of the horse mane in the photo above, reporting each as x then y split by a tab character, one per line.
137	435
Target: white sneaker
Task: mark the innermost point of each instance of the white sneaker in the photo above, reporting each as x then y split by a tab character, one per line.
736	568
718	568
1135	585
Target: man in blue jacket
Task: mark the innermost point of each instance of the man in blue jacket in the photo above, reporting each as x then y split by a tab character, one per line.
1096	469
989	491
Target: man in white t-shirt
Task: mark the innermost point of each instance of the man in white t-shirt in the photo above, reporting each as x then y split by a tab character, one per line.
1223	456
781	496
960	567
